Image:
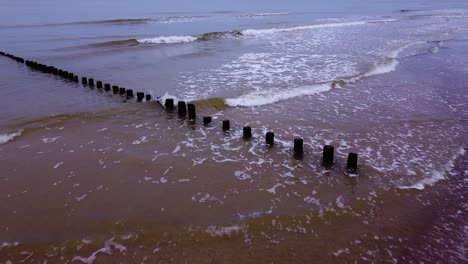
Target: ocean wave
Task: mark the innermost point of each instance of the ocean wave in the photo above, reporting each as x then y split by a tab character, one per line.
221	34
4	138
223	230
176	19
108	21
271	96
226	34
253	32
109	247
389	66
120	21
117	21
127	42
186	39
436	175
259	98
263	14
162	99
162	20
167	40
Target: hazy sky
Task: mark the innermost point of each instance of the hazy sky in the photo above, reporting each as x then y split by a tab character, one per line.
24	11
215	5
242	5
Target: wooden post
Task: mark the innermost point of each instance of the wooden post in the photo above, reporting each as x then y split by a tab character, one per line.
191	112
182	108
352	163
207	120
169	104
247	132
270	138
129	93
140	96
226	125
328	153
298	145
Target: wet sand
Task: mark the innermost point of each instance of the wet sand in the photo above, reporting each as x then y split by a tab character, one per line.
134	183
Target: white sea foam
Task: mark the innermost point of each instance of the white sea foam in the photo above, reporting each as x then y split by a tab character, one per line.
394	54
436	175
270	14
340	202
254	32
382	69
50	140
163	98
8	244
312	200
175	19
4	138
341	251
139	141
253	214
263	14
273	189
242	175
259	98
168	40
420	185
177	148
107	249
269	97
206	198
223	230
386	67
58	165
79	199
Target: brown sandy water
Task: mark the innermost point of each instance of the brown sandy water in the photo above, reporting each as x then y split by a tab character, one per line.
133	183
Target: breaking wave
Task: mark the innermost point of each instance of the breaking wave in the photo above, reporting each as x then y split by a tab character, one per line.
128	42
389	66
110	21
185	39
224	34
118	21
4	138
253	32
268	97
167	40
436	175
259	98
263	14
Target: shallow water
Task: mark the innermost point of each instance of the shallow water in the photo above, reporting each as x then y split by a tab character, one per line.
93	177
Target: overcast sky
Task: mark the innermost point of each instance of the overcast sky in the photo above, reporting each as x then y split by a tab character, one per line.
25	11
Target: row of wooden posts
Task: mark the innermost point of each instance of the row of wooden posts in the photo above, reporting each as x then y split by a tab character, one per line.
70	76
328	150
183	109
